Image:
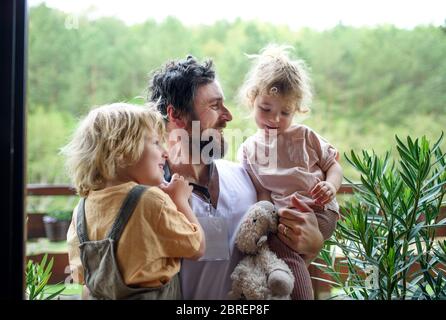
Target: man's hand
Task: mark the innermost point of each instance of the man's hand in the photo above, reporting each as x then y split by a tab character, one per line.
299	230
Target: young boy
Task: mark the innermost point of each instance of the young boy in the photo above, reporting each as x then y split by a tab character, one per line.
129	230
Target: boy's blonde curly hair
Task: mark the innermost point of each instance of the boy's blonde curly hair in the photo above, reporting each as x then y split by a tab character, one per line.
109	137
274	73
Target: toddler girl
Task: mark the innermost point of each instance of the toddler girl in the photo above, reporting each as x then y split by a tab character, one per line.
287	160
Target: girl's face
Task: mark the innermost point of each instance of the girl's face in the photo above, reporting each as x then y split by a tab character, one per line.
149	168
273	112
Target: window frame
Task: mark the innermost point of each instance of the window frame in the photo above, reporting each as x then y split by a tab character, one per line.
13	33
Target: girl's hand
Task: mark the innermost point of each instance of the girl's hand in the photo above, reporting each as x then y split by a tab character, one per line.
323	192
178	189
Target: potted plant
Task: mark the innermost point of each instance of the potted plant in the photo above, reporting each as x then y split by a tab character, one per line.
56	224
34	225
388	233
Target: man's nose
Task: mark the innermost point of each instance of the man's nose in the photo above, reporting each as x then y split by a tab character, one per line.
226	114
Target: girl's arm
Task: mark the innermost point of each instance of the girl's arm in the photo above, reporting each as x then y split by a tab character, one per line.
325	191
334	175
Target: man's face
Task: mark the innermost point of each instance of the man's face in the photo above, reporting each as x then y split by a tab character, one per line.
213	115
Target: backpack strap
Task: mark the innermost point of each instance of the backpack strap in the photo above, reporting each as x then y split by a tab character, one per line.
81	227
126	211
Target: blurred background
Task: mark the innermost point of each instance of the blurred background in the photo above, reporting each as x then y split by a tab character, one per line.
378	68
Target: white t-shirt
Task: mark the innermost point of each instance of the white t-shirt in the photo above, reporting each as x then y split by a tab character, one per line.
210	280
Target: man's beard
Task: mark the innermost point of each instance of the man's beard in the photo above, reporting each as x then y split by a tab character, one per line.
212	150
211	143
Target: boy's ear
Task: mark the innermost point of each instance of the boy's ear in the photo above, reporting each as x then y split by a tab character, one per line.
174	117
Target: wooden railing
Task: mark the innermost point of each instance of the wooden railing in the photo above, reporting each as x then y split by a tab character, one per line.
49	190
67	190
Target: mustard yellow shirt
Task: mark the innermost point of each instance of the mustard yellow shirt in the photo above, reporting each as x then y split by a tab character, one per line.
156	236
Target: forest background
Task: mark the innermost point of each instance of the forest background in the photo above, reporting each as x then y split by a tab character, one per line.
369	83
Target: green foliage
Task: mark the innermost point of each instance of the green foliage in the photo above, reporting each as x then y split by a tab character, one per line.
37	276
387	234
138	100
47	132
39	204
62	215
369	83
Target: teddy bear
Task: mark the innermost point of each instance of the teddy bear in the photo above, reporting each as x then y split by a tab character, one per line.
260	275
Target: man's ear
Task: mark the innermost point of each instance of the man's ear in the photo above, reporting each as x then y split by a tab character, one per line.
174	117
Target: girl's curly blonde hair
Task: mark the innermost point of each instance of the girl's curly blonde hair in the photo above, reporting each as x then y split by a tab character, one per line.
274	73
109	137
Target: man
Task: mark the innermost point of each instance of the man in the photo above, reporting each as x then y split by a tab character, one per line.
191	99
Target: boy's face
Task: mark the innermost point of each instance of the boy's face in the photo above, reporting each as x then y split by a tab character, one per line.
273	112
149	168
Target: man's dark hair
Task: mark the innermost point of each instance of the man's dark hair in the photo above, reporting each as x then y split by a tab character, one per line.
176	84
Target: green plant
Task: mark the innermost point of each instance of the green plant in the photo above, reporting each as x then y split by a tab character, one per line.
37	276
61	215
387	234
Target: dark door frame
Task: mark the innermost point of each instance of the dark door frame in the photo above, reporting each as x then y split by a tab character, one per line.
13	26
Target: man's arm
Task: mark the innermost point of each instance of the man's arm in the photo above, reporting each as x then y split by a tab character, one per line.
302	231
